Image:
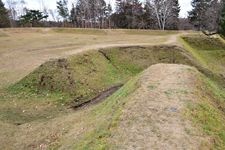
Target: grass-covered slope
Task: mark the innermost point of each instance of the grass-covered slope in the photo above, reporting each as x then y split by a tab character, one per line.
70	82
202	110
49	90
205	43
82	77
108	114
208	112
210	52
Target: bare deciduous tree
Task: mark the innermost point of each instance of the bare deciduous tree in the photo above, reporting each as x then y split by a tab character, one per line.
12	11
21	7
91	13
162	10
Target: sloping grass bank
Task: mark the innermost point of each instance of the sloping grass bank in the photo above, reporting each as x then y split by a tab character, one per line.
78	79
109	111
81	77
210	52
208	112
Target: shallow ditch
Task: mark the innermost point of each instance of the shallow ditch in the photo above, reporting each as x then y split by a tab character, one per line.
99	98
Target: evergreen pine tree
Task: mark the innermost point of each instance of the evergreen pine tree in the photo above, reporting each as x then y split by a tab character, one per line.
128	14
4	18
148	17
197	14
222	19
173	21
63	9
108	14
73	15
32	17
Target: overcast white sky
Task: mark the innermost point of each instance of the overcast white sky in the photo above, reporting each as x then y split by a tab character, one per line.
51	4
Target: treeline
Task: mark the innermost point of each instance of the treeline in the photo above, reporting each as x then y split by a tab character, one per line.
128	14
95	14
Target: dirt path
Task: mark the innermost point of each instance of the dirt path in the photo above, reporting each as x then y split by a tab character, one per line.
153	119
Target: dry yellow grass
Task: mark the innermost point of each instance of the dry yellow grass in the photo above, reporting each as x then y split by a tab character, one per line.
22	50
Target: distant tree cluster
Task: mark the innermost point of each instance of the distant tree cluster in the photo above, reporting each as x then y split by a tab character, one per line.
154	14
222	19
208	15
131	14
4	18
32	18
91	14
